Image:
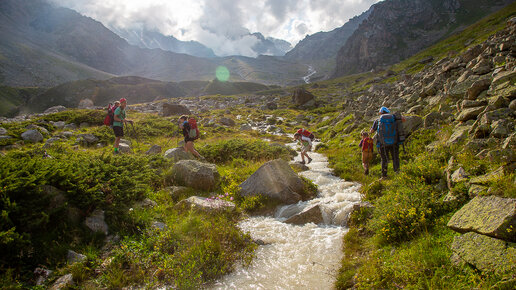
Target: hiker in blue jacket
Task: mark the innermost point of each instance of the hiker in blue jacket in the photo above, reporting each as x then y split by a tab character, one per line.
387	140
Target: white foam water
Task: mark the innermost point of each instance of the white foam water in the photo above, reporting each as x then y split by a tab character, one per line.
293	256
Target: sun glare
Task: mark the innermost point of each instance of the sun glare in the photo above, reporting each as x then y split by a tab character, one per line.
222	73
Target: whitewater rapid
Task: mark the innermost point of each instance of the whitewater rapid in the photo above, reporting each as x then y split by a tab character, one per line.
293	256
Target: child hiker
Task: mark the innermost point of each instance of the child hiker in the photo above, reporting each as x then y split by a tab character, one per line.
118	123
306	145
367	151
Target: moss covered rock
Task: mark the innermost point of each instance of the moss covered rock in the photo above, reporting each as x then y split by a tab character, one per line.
195	174
489	215
485	253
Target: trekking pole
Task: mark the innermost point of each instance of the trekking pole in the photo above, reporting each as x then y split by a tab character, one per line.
168	142
136	137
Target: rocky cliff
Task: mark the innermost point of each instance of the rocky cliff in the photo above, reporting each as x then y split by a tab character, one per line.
397	29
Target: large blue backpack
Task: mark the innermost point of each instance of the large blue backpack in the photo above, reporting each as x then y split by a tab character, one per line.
387	133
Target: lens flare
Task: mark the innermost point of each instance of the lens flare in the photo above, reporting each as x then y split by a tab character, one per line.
222	73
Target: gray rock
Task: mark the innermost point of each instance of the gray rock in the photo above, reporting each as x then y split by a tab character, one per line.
64	282
67	134
471	104
158	225
412	123
482	67
459	90
489	177
475	190
227	122
86	104
469	114
96	222
176	191
510	142
310	215
73	257
498	102
459	175
471	53
58	124
501	128
488	215
458	135
70	126
246	127
55	109
203	204
491	116
126	142
415	109
512	105
42	275
276	180
485	253
5	137
32	136
178	154
88	139
3	131
174	110
302	97
477	87
432	118
147	203
195	174
124	148
155	149
298	166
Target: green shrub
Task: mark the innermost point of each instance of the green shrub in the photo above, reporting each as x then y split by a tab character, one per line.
227	150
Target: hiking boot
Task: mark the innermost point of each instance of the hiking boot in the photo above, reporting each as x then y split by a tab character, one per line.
309	160
116	152
302	162
366	171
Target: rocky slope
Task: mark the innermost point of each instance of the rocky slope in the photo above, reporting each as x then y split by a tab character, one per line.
397	29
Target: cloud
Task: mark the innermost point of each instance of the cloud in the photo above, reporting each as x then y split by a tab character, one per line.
224	25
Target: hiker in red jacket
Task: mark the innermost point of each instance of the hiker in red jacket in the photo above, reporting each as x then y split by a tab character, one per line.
191	133
367	151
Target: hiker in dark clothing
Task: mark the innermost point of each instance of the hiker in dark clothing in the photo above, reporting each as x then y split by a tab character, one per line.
387	143
190	134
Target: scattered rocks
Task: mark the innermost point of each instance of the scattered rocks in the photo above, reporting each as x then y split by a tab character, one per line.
55	109
86	104
302	97
227	122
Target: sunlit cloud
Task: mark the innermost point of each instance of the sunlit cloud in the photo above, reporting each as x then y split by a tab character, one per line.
224	25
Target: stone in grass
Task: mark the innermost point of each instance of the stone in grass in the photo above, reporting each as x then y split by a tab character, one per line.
73	257
484	253
488	215
203	204
64	282
96	222
32	136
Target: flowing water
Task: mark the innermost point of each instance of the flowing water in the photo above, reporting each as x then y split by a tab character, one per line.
299	257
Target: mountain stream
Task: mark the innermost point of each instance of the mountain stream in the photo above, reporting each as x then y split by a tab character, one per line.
294	256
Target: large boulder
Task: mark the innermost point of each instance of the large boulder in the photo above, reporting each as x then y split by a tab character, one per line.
177	154
459	134
488	215
155	149
195	174
275	179
478	87
174	110
73	257
210	205
302	97
32	136
311	215
88	139
484	253
227	121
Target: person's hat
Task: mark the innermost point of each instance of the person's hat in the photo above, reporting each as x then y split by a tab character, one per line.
123	100
384	110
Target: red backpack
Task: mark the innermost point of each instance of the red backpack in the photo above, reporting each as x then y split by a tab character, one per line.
194	131
367	144
110	117
306	133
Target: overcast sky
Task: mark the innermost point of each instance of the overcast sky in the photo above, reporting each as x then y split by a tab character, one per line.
220	24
